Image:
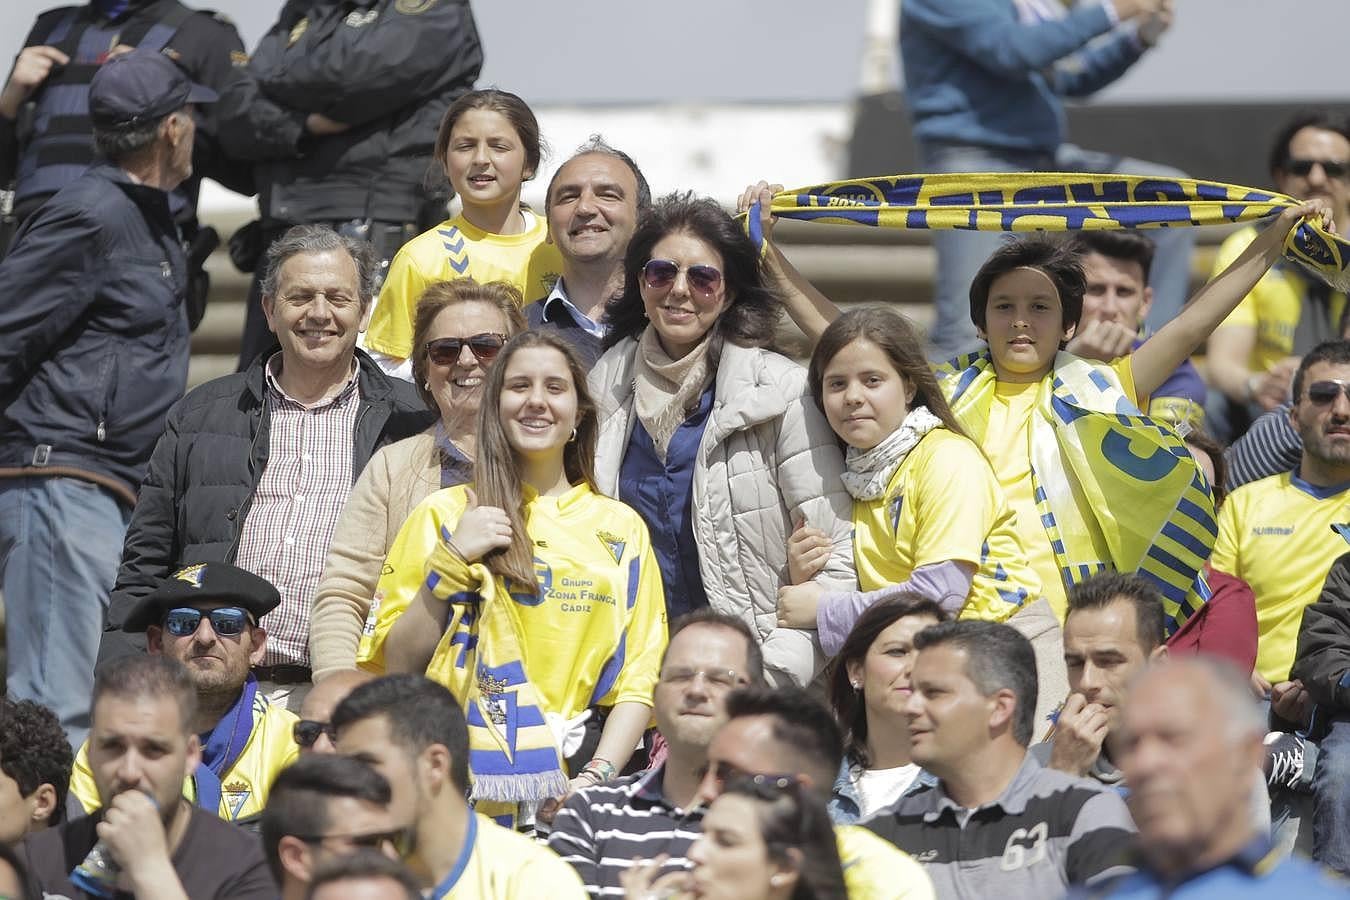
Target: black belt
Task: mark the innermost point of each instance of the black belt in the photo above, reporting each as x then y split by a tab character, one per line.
283	674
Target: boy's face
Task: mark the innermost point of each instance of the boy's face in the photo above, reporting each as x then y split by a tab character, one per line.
1024	325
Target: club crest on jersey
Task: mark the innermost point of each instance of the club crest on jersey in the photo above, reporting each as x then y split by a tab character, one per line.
614	544
191	574
236	795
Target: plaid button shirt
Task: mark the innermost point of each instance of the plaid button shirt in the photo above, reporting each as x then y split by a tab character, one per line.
295	508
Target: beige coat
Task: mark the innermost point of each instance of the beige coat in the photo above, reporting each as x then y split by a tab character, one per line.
397	478
767	458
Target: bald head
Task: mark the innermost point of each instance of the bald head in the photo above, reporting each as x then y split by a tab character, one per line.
324	698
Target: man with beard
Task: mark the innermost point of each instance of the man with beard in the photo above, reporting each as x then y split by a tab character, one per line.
1253	354
205	616
142	744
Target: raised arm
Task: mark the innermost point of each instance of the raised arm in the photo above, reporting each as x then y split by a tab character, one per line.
1161	354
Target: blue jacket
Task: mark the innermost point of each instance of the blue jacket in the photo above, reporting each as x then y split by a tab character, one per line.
93	332
976	75
845	807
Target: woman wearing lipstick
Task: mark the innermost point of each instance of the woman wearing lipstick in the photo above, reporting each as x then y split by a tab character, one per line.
459	329
869	688
534	598
489	145
712	438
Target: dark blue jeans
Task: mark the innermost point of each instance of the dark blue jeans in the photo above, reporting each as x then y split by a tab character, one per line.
1331	798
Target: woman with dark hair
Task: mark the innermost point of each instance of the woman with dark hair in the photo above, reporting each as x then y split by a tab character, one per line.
869	688
764	838
535	599
710	436
459	328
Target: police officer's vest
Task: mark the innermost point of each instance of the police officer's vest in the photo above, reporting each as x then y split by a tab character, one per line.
60	145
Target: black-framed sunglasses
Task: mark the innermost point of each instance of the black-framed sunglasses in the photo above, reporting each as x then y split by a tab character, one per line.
659	274
398	838
307	731
1323	392
228	621
484	347
1301	167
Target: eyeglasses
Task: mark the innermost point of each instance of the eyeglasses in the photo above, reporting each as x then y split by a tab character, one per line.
1323	392
398	838
485	347
725	679
661	273
228	621
1301	167
724	773
307	731
765	787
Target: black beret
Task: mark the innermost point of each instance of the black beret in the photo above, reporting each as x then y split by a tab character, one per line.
216	582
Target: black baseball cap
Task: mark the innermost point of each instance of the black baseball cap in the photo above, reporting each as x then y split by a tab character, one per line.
215	582
139	87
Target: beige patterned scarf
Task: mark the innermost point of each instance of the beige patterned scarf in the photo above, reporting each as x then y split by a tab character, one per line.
665	388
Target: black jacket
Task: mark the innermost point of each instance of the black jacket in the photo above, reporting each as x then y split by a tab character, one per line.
1323	654
205	45
387	68
93	331
207	465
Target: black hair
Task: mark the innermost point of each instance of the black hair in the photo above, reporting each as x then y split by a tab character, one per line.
34	750
298	802
791	818
1200	439
998	657
752	307
420	713
1125	245
156	676
801	724
364	865
1308	118
754	654
1105	588
1335	352
597	146
1054	259
849	706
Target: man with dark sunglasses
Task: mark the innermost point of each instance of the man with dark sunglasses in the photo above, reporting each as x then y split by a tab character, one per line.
322	808
1253	354
1281	535
206	617
255	468
592	204
314	732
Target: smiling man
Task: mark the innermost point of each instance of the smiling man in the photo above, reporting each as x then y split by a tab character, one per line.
996	822
206	616
255	467
593	204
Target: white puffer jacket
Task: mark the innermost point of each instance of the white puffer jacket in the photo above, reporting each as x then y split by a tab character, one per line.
767	458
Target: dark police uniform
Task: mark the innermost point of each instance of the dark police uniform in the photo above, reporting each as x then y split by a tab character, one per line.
387	68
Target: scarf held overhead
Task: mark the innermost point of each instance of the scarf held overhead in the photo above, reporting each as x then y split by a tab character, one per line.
1115	490
1053	201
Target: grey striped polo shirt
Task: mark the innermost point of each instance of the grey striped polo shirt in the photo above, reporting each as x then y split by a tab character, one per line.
1046	831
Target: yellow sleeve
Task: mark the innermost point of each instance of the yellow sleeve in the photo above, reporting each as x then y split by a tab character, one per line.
954	504
645	632
1229	250
1124	369
405	571
875	869
1225	555
536	871
391	323
82	781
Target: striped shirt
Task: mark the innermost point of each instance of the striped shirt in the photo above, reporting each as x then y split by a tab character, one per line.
601	830
1270	447
1047	830
295	507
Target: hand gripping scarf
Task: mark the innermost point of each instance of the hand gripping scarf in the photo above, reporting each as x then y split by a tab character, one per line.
1050	201
1115	489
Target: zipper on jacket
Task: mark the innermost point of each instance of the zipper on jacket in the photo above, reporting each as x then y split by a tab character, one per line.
105	393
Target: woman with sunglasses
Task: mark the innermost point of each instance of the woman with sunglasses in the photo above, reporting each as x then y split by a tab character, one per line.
869	688
459	328
710	436
764	838
534	598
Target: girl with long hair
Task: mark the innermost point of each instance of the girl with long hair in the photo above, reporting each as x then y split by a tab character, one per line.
489	146
535	599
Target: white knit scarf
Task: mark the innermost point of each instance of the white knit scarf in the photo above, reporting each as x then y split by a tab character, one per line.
867	472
